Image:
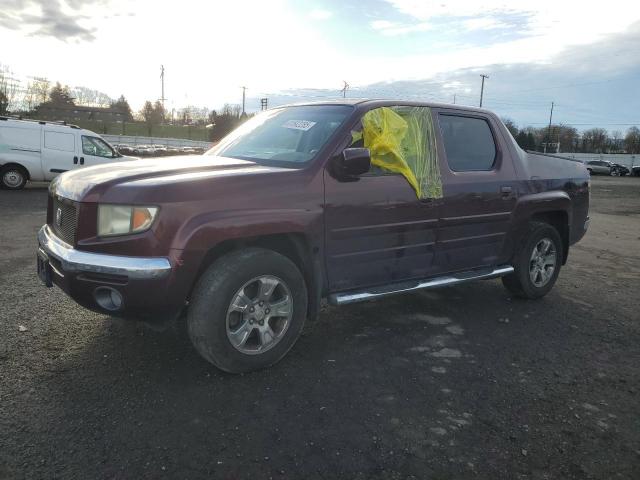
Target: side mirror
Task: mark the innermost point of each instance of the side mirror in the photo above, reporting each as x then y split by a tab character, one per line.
353	162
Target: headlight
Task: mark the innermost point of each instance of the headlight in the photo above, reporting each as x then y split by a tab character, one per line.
124	219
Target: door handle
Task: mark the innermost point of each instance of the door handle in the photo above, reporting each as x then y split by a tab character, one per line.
506	191
75	160
81	160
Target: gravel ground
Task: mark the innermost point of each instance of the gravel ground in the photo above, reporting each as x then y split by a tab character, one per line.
463	382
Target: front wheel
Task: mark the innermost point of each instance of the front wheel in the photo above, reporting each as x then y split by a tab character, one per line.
247	310
13	177
537	262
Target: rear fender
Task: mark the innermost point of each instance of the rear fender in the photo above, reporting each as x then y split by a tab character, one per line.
532	205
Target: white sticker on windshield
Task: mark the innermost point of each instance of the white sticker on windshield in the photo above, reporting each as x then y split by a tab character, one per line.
303	125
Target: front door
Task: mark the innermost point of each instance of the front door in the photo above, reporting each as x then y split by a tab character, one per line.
377	231
480	191
95	151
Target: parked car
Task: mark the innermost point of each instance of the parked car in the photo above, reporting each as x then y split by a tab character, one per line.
605	167
635	171
345	202
619	170
32	150
599	167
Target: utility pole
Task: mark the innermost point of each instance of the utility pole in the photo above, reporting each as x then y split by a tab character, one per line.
549	131
482	87
344	89
162	99
454	98
244	89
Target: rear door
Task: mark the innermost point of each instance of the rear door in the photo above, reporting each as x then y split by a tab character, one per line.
59	152
479	191
21	144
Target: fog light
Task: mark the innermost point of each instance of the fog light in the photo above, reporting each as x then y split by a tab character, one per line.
108	298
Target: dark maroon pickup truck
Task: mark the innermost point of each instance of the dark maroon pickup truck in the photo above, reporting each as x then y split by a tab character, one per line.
341	201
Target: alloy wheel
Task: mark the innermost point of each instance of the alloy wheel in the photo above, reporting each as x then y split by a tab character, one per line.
259	315
542	262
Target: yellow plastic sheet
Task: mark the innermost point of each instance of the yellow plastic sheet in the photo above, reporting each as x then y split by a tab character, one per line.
402	140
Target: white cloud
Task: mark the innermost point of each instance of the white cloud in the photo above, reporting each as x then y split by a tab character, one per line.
565	22
320	14
392	29
484	23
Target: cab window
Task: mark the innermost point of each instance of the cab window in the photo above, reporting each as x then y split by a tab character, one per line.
468	143
97	147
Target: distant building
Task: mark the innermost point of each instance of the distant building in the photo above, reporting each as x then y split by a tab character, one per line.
77	113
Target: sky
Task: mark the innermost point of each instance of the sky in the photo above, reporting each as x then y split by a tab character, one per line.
583	56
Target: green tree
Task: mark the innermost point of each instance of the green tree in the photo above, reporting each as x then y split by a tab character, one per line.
594	140
4	103
632	140
60	96
531	142
511	126
123	106
152	114
521	139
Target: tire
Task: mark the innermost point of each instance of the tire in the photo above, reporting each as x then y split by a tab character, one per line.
216	312
520	282
615	172
13	177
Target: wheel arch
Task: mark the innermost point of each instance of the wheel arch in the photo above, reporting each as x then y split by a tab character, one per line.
295	246
558	219
552	207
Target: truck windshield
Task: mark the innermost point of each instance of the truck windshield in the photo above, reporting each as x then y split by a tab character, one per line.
286	136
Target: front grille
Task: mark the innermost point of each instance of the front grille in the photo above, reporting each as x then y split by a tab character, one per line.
64	219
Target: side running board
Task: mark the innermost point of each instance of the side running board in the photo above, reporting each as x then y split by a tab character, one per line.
353	296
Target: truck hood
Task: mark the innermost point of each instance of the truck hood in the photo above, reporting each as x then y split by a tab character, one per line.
90	184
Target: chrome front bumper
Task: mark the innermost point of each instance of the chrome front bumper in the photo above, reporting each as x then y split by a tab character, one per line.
72	260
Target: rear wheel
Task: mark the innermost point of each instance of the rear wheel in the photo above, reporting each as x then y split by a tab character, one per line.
13	177
537	262
247	310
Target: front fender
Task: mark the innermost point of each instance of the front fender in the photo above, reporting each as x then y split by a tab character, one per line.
206	230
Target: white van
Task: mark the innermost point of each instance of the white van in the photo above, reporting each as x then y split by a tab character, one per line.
39	151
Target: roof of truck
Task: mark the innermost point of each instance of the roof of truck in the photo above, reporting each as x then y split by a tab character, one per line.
386	101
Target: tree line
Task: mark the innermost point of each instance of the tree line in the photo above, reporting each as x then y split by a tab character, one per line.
567	139
219	123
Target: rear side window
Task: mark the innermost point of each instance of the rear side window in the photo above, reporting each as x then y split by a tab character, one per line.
468	143
65	142
21	138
